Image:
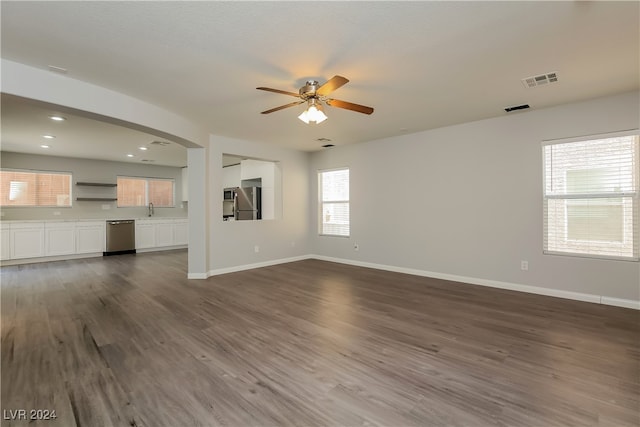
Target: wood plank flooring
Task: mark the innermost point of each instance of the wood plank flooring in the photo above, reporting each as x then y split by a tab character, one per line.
129	341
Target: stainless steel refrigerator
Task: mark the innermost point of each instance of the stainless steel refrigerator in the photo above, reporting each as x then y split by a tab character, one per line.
248	201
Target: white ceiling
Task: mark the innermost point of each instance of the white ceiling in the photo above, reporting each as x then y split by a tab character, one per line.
24	122
421	65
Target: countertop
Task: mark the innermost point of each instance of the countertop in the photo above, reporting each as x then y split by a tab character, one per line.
144	218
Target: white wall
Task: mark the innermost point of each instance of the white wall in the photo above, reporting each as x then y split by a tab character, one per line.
466	200
232	242
84	170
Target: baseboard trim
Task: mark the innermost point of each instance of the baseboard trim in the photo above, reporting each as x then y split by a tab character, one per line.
619	302
243	267
20	261
161	248
558	293
578	296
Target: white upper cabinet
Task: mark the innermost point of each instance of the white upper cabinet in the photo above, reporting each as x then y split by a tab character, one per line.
230	177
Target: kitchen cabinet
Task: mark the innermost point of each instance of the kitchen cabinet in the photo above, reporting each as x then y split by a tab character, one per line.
181	232
161	233
164	234
59	238
145	234
231	176
27	240
65	239
90	237
5	238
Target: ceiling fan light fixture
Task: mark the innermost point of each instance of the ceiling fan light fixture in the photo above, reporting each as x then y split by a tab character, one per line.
313	95
313	114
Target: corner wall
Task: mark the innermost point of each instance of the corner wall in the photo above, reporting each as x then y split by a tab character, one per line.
465	202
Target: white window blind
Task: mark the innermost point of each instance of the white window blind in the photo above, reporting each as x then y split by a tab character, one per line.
36	189
333	188
142	191
591	197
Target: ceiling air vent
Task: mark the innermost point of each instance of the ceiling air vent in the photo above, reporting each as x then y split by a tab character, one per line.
147	160
516	107
160	143
323	140
540	80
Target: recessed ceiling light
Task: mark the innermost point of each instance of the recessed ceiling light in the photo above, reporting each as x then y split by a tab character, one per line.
58	118
143	148
45	146
48	136
129	155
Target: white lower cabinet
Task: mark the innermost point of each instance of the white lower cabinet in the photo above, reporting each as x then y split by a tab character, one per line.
145	234
90	237
5	246
161	233
27	240
21	240
181	232
59	238
164	234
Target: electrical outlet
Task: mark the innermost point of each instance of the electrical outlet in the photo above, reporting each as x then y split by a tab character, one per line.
56	213
356	247
106	207
256	248
524	265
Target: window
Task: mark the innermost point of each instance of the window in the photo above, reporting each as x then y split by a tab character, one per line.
333	189
591	196
142	191
32	188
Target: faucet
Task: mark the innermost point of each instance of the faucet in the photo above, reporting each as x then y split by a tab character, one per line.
150	209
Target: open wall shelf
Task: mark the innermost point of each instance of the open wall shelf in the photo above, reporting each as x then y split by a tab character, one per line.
96	184
103	192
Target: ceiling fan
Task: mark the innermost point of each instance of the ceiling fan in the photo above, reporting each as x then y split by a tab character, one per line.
314	95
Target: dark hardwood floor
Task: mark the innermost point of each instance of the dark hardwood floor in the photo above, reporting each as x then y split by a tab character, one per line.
129	341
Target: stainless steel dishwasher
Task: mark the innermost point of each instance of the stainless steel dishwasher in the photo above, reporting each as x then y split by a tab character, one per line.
121	237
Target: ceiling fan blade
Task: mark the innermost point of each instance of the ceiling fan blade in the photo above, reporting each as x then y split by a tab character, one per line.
284	92
349	106
282	107
332	84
